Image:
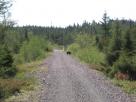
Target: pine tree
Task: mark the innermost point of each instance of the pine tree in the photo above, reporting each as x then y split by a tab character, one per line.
105	25
115	46
6	63
128	45
106	32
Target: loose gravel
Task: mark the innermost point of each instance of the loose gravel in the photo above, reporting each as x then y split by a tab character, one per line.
70	81
67	80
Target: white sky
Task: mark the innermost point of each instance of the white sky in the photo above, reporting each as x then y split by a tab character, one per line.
66	12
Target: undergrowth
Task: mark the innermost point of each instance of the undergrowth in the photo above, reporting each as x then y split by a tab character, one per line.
23	81
126	85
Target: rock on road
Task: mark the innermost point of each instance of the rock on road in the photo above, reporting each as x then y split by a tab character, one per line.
70	81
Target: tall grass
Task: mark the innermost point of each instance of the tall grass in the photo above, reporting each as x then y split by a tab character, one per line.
84	48
91	55
88	54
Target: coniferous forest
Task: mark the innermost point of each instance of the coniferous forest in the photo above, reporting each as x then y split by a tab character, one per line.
109	46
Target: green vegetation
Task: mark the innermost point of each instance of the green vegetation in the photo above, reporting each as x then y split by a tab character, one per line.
9	87
109	46
7	69
34	49
23	81
85	50
127	86
18	46
112	50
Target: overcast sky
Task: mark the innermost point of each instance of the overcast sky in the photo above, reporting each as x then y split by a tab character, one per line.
66	12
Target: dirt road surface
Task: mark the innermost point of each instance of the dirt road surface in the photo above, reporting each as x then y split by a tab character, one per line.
70	81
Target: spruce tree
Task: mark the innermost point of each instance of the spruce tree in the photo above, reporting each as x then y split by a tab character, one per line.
129	44
106	32
115	46
7	69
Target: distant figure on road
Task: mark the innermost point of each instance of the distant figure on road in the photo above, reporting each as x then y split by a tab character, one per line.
68	52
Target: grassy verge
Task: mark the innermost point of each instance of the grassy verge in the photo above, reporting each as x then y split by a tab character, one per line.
23	83
90	55
26	73
10	86
127	86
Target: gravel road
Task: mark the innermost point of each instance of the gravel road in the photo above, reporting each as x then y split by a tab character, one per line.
70	81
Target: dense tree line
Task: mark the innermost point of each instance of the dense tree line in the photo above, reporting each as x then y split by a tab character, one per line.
115	38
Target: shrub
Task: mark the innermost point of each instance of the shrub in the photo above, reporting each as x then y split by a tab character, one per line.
73	47
9	87
125	64
112	57
6	72
89	54
84	49
6	63
32	50
84	40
